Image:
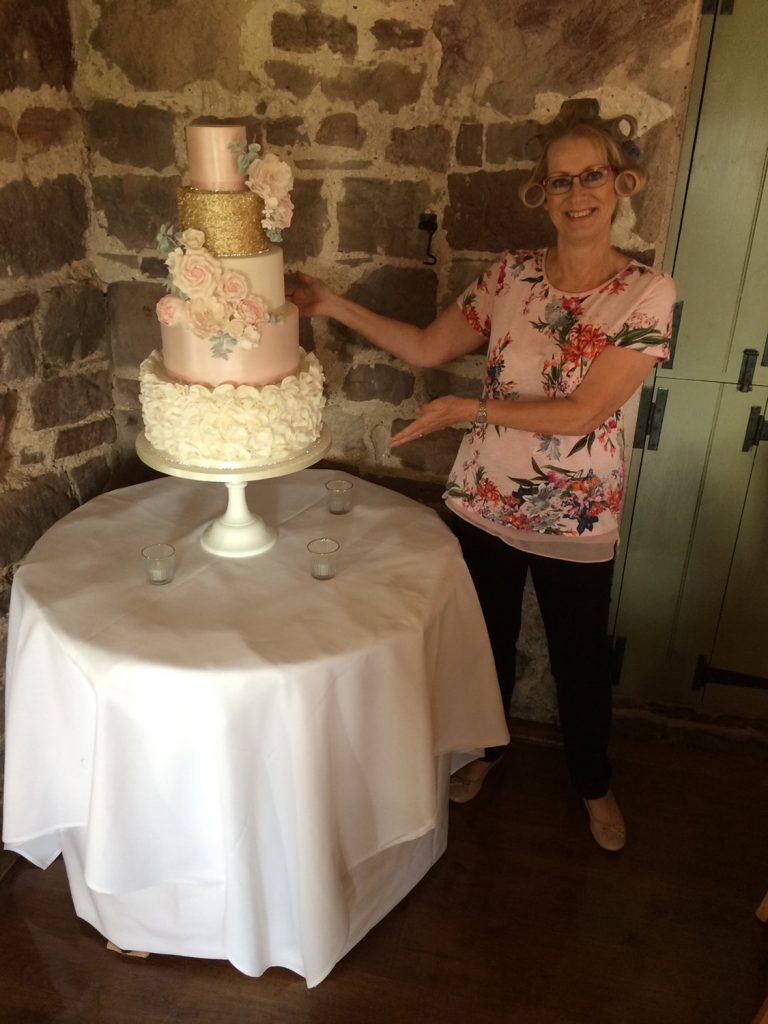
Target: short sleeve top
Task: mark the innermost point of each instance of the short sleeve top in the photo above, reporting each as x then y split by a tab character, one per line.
559	495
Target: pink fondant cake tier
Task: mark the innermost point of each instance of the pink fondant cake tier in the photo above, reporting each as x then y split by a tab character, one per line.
212	164
188	357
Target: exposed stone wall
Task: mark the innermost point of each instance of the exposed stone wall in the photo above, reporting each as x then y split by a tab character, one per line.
386	109
57	431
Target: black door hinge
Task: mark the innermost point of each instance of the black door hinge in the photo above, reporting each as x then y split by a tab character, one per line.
650	417
677	315
757	428
704	674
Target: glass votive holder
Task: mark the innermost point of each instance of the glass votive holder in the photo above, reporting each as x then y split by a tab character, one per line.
159	562
323	554
339	496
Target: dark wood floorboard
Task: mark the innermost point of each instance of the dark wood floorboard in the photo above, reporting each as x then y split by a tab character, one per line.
524	920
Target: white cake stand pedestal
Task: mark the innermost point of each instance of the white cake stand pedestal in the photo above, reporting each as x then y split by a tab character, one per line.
239	533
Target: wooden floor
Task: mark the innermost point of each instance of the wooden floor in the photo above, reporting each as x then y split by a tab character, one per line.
523	920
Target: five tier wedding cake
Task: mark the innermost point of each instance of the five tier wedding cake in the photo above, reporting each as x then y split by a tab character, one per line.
231	386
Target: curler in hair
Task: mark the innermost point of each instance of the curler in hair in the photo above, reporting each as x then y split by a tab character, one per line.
582	109
618	130
533	195
533	147
627	183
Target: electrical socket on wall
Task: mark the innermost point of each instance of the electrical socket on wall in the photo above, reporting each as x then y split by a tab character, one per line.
428	222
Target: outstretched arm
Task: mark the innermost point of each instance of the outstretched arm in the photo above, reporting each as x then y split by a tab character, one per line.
611	380
446	338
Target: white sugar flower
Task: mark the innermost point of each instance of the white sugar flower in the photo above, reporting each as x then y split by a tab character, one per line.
207	316
193	239
270	177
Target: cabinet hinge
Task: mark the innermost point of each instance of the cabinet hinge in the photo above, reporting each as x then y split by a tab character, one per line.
704	674
757	428
677	315
650	417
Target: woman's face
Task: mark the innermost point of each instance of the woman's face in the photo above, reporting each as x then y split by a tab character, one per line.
581	214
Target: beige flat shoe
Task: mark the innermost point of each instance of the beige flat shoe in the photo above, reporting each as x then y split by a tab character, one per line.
610	836
467	782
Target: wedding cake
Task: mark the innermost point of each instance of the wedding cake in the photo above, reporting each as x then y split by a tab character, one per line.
231	386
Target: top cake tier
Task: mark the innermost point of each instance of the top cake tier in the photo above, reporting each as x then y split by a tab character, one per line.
212	164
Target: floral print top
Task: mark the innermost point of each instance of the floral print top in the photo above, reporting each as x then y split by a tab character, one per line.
555	495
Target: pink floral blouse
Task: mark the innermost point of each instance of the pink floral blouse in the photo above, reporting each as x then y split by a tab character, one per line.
532	489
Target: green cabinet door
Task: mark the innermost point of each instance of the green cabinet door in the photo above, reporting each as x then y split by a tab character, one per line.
692	602
738	658
695	579
721	259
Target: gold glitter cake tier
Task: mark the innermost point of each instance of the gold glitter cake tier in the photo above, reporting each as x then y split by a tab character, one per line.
230	221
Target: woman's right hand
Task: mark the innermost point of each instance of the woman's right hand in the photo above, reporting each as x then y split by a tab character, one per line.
312	296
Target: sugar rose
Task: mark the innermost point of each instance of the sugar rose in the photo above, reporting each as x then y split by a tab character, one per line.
252	310
232	286
193	239
208	316
169	310
282	215
195	274
270	178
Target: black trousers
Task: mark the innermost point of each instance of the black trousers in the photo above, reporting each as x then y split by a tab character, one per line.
574	599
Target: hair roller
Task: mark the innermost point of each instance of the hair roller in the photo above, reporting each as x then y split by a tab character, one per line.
627	183
631	149
583	109
618	130
533	147
532	194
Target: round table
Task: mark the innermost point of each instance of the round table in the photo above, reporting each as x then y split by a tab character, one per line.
245	763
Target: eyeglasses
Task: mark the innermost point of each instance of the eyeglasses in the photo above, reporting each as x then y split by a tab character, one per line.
593	177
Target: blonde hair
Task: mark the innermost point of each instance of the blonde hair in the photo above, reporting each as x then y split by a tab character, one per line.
581	119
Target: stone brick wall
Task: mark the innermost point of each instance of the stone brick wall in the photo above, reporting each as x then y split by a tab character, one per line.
57	431
386	109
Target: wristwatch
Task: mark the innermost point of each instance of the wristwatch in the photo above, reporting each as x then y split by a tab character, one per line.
482	415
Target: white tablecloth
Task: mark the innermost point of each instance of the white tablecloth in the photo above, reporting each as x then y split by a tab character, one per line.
227	760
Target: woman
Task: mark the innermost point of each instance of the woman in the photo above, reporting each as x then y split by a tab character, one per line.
537	484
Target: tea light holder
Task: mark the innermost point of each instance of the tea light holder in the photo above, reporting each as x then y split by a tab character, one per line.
323	552
339	496
159	563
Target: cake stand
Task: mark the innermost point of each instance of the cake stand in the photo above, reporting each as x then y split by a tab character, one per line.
239	533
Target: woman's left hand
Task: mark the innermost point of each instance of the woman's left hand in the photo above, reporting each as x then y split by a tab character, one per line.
443	412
